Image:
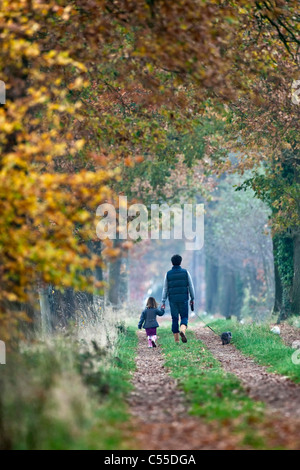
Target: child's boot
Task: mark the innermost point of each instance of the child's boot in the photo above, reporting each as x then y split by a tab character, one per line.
182	333
176	337
153	340
149	342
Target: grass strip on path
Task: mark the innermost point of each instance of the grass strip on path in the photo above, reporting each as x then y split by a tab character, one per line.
212	393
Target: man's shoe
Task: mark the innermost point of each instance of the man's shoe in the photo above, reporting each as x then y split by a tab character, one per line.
182	333
176	337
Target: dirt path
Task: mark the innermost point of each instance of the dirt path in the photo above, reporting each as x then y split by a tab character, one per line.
278	392
289	333
160	411
160	419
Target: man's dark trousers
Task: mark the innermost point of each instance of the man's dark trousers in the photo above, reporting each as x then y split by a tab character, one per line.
182	309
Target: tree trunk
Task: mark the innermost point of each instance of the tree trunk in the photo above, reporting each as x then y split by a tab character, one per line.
239	295
278	285
284	256
64	305
123	289
45	306
5	443
228	293
197	279
96	247
295	301
212	285
114	281
98	296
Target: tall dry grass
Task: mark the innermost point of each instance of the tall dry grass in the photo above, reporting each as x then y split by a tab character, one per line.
55	390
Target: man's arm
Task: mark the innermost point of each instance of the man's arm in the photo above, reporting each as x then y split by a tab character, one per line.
191	287
165	290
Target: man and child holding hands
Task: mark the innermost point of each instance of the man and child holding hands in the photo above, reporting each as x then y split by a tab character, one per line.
178	289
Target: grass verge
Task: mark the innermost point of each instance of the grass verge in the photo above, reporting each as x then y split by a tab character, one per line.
66	395
262	345
111	418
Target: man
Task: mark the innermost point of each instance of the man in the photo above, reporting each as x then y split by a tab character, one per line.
178	285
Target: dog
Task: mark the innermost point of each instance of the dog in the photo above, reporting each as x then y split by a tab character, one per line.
226	337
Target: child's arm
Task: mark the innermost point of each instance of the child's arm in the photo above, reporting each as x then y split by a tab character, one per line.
160	311
142	320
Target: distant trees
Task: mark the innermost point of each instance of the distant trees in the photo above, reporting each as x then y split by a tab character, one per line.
238	251
266	133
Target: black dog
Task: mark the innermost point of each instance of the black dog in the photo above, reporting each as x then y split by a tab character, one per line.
226	337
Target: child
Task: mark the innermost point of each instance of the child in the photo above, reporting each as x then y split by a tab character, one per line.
148	320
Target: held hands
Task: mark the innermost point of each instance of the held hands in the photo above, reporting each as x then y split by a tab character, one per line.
192	305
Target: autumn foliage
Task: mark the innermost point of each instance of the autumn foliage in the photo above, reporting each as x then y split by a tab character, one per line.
97	90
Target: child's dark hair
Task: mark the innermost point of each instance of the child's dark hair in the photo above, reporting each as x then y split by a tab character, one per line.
151	303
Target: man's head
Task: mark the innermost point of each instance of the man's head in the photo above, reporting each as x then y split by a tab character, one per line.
176	260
